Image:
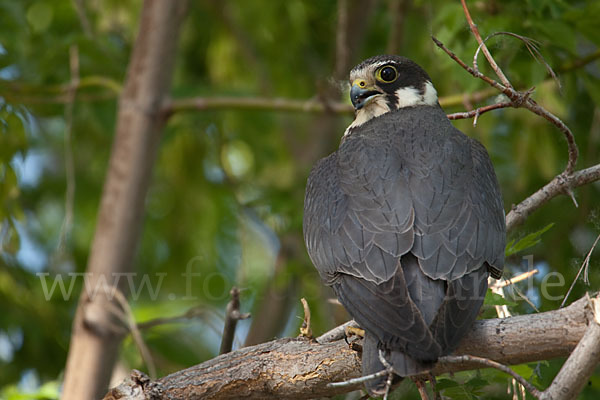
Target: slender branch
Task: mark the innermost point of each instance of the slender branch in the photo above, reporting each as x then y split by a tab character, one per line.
192	313
531	45
518	98
253	103
532	106
515	279
580	62
336	333
129	320
562	183
342	57
484	48
390	374
65	231
584	267
232	317
305	329
397	11
559	185
362	379
79	6
477	112
492	364
475	73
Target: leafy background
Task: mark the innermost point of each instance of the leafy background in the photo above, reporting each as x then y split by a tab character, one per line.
227	191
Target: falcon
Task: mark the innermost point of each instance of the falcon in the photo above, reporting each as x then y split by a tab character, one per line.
404	221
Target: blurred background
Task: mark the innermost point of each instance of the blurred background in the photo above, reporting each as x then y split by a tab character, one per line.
225	203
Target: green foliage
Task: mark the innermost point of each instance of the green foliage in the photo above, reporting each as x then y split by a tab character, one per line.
225	203
494	299
514	246
469	390
48	391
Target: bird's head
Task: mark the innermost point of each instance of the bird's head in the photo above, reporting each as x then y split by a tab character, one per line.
386	83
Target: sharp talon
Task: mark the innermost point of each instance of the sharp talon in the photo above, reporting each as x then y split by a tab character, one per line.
356	347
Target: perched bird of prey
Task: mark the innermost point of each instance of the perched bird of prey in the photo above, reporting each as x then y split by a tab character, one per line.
405	220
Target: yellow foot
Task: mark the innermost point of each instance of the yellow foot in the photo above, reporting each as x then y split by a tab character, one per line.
351	331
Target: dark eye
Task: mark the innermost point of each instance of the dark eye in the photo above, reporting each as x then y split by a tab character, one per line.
387	74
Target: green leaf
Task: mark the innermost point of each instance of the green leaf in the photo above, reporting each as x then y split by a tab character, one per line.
477	382
494	299
458	393
528	241
445	384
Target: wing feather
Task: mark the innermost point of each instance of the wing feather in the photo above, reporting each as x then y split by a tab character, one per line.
404	221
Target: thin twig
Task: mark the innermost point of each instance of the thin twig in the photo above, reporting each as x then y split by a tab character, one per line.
472	71
232	316
515	279
65	231
433	383
128	319
562	183
477	112
253	103
421	388
484	48
523	99
579	62
397	12
492	364
192	313
362	379
532	46
573	151
342	58
336	333
390	374
525	298
79	6
584	267
559	185
305	328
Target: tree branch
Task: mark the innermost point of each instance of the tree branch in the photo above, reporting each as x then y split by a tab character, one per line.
94	343
484	48
299	368
580	365
493	364
342	56
477	112
561	184
232	316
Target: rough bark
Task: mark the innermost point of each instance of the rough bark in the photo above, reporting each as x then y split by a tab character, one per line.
300	368
95	341
580	365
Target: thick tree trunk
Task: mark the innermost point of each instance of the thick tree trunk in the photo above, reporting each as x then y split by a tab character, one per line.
300	368
94	344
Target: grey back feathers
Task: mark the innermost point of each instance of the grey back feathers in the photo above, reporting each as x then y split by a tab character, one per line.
405	222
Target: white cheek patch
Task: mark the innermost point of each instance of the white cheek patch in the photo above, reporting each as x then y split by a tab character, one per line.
408	97
411	96
430	97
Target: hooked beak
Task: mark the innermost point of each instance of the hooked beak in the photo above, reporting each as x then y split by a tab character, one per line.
361	94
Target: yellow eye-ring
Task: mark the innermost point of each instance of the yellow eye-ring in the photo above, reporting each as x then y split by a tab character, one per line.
386	74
